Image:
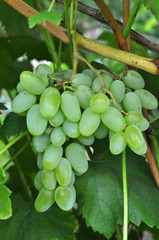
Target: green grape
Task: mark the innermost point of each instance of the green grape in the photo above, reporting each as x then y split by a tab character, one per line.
140	151
38	181
58	136
73	190
49	102
143	125
113	119
117	143
97	86
81	79
134	136
148	100
40	143
87	141
101	132
63	172
71	128
40	160
32	83
119	105
22	102
131	102
99	103
111	133
84	95
70	106
48	179
89	122
44	200
117	88
62	75
133	118
133	80
76	155
36	123
52	156
64	197
89	72
58	119
42	70
20	87
72	181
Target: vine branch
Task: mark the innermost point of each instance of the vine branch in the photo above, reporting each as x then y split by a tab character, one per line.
61	33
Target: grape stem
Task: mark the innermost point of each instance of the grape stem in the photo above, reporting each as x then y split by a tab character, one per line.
154	119
125	196
156	148
13	141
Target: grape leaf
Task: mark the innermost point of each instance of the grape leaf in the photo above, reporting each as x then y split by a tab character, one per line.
153	5
5	203
99	191
54	17
13	125
27	224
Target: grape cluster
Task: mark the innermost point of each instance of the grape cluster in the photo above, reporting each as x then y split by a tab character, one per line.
64	116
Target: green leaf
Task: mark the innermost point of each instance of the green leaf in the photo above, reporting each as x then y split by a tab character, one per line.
153	5
2	175
99	191
54	17
27	224
13	125
5	203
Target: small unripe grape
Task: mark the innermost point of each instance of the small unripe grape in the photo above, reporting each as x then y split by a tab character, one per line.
44	200
113	119
20	87
117	88
133	80
84	94
148	100
40	160
40	143
64	197
99	103
70	106
63	172
131	102
22	102
71	129
38	181
133	118
101	132
87	141
58	136
48	179
52	156
72	181
36	123
42	70
81	79
97	86
58	119
143	125
117	143
32	83
134	136
89	122
89	72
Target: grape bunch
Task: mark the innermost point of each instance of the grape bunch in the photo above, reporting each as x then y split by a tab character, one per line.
65	116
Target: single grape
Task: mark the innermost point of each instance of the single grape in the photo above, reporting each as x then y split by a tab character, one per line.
133	80
44	200
64	197
38	181
89	72
99	103
84	94
117	88
52	156
72	181
71	129
87	141
111	133
113	119
58	119
134	136
40	143
63	172
49	102
36	123
58	136
101	132
148	100
20	87
97	86
81	79
131	102
42	70
89	122
32	83
62	75
117	143
70	106
133	118
143	125
76	155
22	102
48	179
140	151
40	160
